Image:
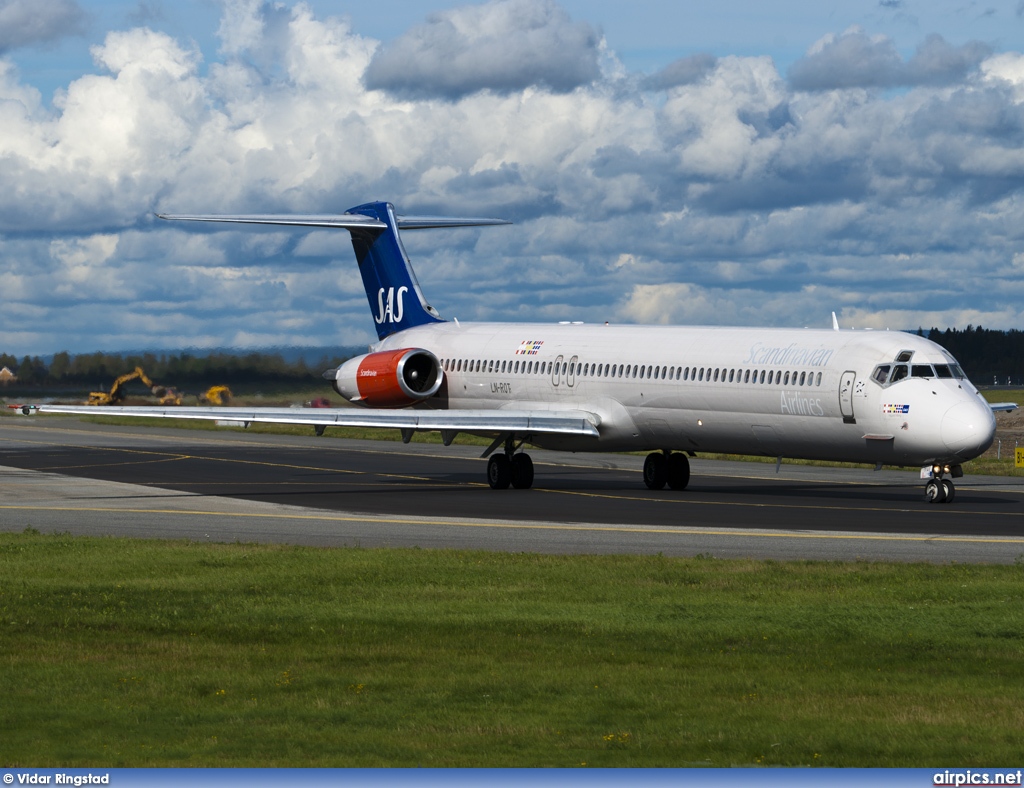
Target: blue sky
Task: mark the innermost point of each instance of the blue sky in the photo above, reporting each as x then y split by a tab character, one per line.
665	162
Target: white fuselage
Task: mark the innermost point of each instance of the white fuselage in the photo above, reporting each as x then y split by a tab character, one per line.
705	389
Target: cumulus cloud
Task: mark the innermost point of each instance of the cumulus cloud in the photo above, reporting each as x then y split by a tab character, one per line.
24	22
684	71
855	59
503	46
735	196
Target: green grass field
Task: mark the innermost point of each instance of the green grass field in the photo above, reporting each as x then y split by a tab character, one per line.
142	653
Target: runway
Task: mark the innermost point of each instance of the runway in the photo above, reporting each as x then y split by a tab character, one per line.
59	474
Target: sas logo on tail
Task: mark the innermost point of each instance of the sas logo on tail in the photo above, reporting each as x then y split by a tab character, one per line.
389	312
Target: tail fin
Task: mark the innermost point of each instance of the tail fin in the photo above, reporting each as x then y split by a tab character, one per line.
387	274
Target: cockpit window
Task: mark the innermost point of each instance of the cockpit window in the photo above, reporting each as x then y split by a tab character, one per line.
887	374
904	356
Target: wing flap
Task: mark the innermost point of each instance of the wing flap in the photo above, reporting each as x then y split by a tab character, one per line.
553	422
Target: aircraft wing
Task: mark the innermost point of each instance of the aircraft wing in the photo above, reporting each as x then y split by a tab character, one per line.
1002	406
548	422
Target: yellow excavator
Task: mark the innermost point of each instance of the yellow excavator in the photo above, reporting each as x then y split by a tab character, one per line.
216	395
167	396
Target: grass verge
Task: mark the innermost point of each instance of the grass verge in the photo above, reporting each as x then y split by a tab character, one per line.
143	653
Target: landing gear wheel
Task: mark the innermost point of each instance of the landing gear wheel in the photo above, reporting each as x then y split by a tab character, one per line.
499	472
678	471
949	490
655	471
934	491
522	471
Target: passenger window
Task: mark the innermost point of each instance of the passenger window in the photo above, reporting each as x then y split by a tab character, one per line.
732	374
701	378
899	372
785	381
686	373
921	371
817	380
803	376
746	376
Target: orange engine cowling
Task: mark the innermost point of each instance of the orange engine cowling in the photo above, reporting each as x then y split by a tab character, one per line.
390	378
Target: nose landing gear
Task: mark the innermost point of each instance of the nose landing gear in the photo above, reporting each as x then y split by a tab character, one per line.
939	489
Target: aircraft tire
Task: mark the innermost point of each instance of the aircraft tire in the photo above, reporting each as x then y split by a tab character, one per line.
934	492
678	471
949	491
522	471
655	471
499	472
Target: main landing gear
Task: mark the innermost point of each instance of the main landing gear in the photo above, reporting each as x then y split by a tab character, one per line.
510	468
939	489
661	468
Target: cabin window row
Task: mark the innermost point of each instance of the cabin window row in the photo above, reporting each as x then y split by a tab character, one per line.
641	371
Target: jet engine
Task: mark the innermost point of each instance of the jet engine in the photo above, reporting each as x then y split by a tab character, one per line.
388	379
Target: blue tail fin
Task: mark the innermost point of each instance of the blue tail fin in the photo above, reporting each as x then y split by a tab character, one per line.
392	289
396	300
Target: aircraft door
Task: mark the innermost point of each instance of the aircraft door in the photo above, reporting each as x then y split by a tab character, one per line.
846	383
556	372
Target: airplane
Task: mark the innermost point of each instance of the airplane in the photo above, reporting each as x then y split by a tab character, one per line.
880	397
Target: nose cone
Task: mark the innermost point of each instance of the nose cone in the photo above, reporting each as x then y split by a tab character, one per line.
968	428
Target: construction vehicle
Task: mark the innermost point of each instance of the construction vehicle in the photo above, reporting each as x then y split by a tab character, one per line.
167	396
216	395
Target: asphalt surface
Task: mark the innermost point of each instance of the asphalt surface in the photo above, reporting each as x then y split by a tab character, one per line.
59	474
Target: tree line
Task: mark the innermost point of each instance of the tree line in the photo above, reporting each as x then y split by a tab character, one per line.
986	355
180	369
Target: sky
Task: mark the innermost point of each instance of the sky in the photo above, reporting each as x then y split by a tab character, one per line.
729	163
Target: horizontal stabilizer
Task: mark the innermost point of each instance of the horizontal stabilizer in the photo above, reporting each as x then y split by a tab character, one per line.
430	222
1002	406
345	221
